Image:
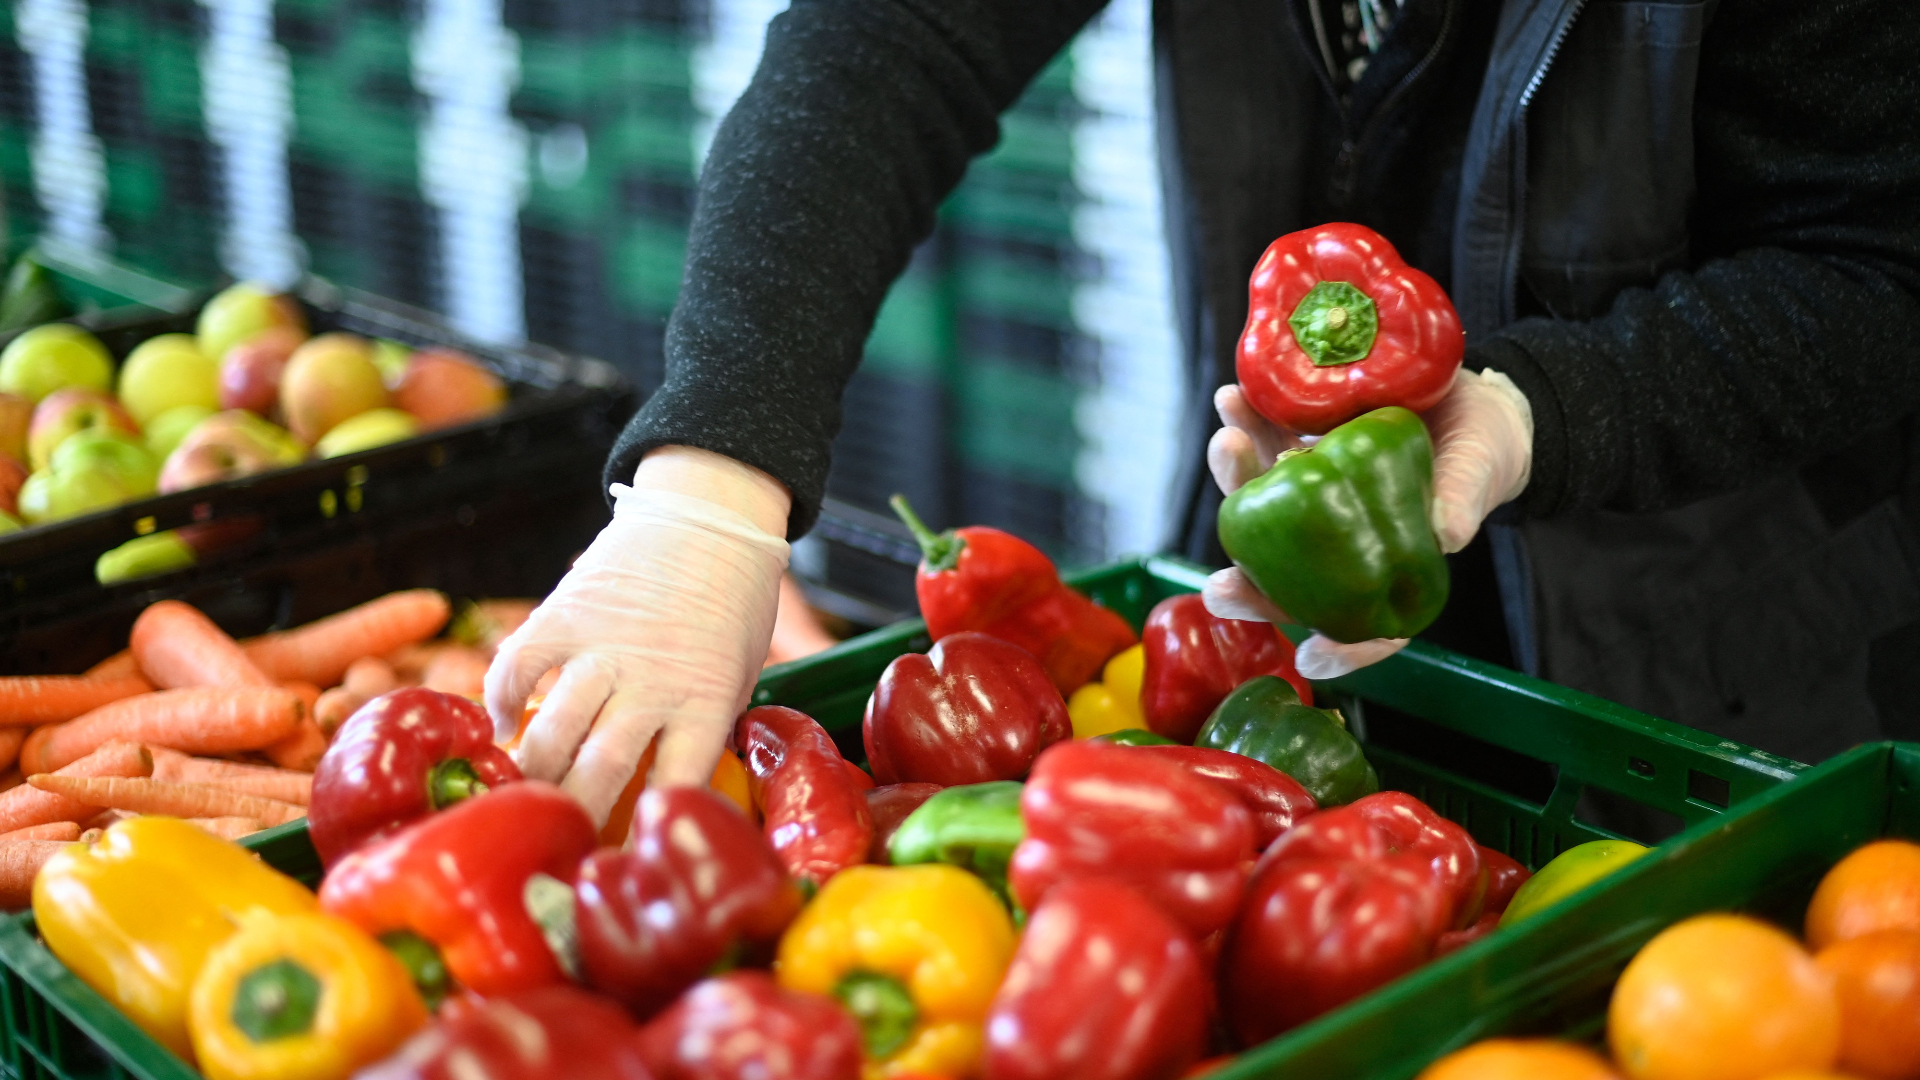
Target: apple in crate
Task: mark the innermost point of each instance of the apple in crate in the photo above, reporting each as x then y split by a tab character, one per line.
68	412
241	311
329	379
167	372
90	471
227	445
12	475
46	358
9	523
250	371
16	416
375	427
165	432
443	387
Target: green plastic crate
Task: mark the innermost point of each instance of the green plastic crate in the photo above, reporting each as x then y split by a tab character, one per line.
52	1020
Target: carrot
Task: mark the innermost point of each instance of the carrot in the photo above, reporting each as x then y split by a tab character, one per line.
320	652
301	750
283	785
334	707
370	676
228	827
484	624
120	665
26	806
20	860
10	740
11	779
409	662
143	795
198	720
309	693
30	700
68	831
177	646
458	669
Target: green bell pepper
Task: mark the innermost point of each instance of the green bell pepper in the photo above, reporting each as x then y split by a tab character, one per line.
972	826
1337	534
1263	719
1135	737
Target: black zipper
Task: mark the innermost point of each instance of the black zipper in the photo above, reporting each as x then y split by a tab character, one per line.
1346	164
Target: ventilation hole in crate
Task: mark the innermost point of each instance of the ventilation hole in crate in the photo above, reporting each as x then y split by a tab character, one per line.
1712	790
1640	766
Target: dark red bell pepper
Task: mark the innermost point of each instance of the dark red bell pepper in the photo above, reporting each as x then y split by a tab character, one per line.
1276	800
487	883
1195	659
1095	809
399	758
1504	878
993	582
1104	986
1338	325
743	1026
697	887
816	817
891	803
554	1033
974	709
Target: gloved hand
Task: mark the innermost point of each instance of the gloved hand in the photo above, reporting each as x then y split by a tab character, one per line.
660	628
1483	454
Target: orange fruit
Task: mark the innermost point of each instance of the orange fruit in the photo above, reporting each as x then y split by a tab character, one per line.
1877	976
1521	1059
1802	1074
1722	997
1875	888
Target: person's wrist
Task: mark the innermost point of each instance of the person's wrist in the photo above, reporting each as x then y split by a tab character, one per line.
719	479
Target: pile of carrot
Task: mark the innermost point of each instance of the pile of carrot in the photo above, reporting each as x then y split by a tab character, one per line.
189	722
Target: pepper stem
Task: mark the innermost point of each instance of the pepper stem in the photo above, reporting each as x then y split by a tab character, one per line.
883	1007
1335	323
453	780
940	550
423	963
277	1000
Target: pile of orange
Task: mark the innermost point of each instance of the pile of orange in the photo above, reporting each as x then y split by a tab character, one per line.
1729	997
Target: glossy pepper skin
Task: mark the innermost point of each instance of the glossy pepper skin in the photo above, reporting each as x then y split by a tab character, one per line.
1097	810
816	815
993	582
136	913
463	878
300	997
1337	534
1338	324
1113	703
1263	720
1103	987
973	709
1194	659
1276	800
916	953
399	758
892	804
975	827
743	1026
553	1033
699	886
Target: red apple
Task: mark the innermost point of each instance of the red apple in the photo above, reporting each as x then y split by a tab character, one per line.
227	445
16	414
12	475
443	387
250	372
69	410
329	379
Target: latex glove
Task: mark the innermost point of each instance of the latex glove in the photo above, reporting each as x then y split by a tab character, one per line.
660	628
1483	454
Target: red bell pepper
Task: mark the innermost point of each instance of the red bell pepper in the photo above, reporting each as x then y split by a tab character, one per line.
1195	659
1504	878
1338	325
973	709
1104	986
698	886
891	803
816	817
1276	800
399	758
553	1033
483	882
1095	809
993	582
743	1026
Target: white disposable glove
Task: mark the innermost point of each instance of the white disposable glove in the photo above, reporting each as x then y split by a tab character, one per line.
660	628
1483	454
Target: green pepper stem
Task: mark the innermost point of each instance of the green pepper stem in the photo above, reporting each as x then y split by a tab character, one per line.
1335	323
276	1000
423	963
453	780
883	1007
940	550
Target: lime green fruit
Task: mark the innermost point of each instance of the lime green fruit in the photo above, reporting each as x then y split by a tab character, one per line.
1569	872
165	373
161	553
46	358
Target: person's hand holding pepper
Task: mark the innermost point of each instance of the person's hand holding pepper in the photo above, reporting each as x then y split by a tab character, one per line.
1483	453
659	629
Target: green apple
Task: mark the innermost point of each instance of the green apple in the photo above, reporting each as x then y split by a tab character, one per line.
165	373
9	523
69	411
165	431
375	427
46	358
126	461
391	358
161	553
241	311
49	496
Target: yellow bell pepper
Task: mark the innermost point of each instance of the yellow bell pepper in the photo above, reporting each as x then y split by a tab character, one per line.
299	997
1113	703
916	953
135	913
